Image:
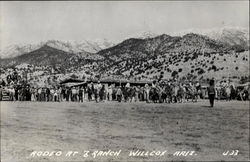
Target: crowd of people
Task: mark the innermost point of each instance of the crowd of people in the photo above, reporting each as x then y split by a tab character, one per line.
156	92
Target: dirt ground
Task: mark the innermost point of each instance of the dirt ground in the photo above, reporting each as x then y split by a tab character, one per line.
90	126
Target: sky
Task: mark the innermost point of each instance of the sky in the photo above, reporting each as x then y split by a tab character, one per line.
32	22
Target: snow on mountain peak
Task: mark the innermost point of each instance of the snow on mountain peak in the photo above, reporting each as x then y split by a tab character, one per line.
142	35
68	46
229	35
17	49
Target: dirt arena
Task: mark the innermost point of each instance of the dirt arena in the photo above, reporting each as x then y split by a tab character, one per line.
61	127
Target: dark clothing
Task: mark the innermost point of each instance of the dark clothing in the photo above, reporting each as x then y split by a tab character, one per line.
211	94
63	92
89	90
16	94
67	94
80	95
47	94
119	98
211	99
101	94
211	90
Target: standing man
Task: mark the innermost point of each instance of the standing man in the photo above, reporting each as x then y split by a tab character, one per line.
80	94
52	91
211	92
89	91
39	93
98	90
1	91
74	94
119	94
47	94
147	89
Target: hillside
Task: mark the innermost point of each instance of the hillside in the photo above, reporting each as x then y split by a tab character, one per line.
84	46
131	53
192	56
233	36
45	55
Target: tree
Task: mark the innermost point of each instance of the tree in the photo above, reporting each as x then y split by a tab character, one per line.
214	67
201	71
174	74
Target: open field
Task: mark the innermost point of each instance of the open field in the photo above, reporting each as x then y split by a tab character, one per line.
42	126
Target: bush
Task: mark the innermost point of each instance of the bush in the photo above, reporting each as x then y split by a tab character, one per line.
236	68
201	71
214	68
174	73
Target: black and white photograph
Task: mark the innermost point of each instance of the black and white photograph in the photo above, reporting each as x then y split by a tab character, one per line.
124	81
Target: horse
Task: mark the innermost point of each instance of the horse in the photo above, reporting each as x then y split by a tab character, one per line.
154	95
192	93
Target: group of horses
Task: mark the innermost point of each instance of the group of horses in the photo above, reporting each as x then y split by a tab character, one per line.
173	94
168	93
160	93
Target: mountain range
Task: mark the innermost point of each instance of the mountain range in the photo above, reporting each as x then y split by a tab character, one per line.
67	46
146	55
234	36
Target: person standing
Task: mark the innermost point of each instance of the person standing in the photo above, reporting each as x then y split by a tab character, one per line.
39	93
147	89
102	93
136	93
211	92
98	90
119	94
56	95
176	89
52	92
228	92
80	94
16	93
63	94
12	93
77	94
32	90
110	91
89	91
47	94
74	94
1	91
